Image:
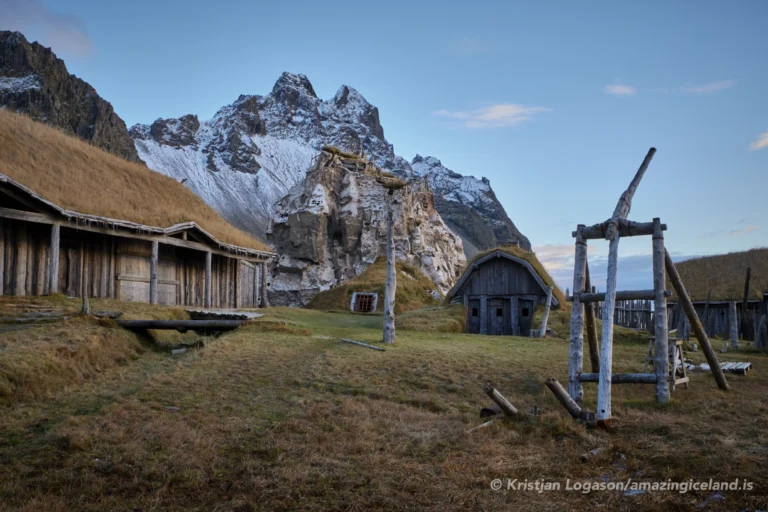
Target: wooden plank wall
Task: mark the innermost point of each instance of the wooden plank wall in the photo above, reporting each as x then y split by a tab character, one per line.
117	268
501	277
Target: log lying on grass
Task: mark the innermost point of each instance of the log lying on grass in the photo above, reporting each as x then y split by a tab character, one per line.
502	402
362	344
622	378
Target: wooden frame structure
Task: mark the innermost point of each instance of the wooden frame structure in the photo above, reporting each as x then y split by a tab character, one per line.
46	249
613	230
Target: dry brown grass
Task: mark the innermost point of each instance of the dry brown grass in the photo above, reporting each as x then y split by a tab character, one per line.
725	274
279	421
412	292
452	318
531	258
80	177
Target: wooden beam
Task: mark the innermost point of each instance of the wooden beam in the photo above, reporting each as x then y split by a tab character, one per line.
623	378
576	340
153	272
208	289
590	324
391	282
238	285
621	295
603	414
21	260
626	228
661	362
545	318
685	301
502	402
104	280
53	262
570	405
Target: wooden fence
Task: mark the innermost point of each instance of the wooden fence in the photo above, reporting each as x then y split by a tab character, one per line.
635	314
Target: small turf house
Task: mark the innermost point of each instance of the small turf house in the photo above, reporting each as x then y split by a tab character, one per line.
75	219
500	291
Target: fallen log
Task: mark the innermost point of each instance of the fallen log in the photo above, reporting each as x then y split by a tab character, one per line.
181	325
564	398
622	378
506	407
362	344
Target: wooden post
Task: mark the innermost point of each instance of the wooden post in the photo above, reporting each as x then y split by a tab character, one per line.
687	305
84	279
576	340
502	402
391	284
153	273
661	364
207	283
734	321
612	234
744	305
238	272
483	314
570	405
761	336
21	259
264	297
104	284
545	318
53	263
591	325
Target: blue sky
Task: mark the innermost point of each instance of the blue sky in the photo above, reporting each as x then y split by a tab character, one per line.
556	103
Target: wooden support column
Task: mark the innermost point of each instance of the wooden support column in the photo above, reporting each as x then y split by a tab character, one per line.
104	284
238	287
545	318
53	263
21	260
483	314
207	293
591	325
733	317
153	272
390	288
264	298
40	264
661	363
576	341
687	306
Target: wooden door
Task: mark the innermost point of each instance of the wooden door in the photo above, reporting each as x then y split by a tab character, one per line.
525	316
498	317
473	316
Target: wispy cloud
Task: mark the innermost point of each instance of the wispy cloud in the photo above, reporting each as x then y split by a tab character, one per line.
494	116
467	46
65	34
732	232
761	142
689	88
620	90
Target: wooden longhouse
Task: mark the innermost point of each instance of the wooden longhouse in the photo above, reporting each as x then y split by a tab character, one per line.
501	292
46	249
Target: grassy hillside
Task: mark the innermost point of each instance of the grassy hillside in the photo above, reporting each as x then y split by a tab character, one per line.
80	177
531	258
413	289
725	274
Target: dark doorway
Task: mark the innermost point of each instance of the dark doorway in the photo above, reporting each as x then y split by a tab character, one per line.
525	316
473	317
498	317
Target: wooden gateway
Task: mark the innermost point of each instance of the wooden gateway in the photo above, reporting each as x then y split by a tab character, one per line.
46	249
501	292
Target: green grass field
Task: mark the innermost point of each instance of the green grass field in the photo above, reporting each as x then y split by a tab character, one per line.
282	415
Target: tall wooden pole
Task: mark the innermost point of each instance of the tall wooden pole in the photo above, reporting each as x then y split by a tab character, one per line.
576	341
591	325
207	283
661	362
264	297
53	264
612	234
153	272
391	285
698	329
744	304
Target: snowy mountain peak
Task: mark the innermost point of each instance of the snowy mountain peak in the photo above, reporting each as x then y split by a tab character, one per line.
292	83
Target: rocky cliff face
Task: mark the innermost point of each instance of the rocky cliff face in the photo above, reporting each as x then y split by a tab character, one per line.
332	225
35	82
254	151
469	206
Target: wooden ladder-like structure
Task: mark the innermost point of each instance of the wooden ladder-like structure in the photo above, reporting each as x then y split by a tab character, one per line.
677	372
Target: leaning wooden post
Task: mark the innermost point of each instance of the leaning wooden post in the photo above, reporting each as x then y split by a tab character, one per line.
153	272
591	325
264	297
545	318
502	402
207	283
698	329
576	341
570	405
734	320
53	263
391	284
661	363
612	234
